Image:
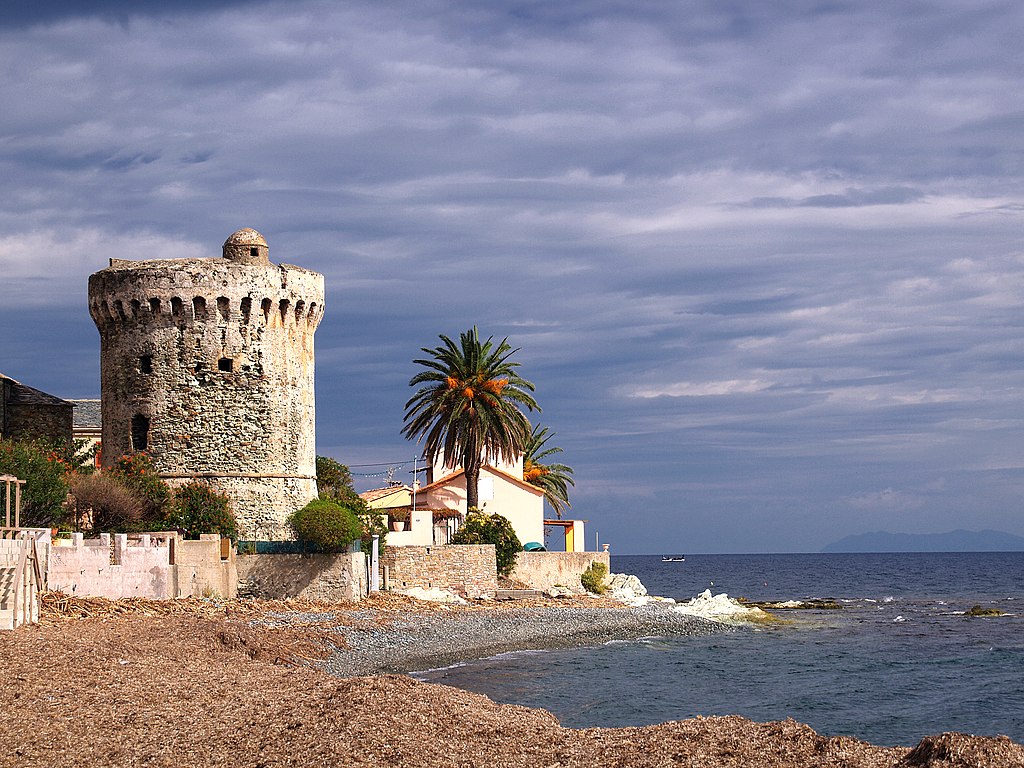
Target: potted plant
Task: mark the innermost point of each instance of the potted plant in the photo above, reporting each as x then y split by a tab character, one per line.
398	518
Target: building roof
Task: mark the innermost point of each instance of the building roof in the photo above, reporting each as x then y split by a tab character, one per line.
22	394
518	481
87	415
381	493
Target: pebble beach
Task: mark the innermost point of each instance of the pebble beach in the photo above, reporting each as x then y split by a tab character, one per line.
418	641
248	683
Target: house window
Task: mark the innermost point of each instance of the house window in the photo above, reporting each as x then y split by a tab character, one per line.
226	364
146	364
140	432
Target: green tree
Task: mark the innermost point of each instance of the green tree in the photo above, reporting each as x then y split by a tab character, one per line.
553	479
334	482
326	524
469	405
482	528
45	472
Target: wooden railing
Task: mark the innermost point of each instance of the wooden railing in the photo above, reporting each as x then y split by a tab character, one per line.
25	602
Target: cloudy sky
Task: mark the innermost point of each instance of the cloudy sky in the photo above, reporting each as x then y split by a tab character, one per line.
763	261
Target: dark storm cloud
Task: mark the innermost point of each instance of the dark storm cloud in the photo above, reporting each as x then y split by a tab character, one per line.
763	261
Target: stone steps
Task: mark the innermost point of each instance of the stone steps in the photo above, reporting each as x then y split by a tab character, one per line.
517	594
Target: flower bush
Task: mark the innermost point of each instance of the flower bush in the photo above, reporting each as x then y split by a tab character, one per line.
482	528
196	509
46	472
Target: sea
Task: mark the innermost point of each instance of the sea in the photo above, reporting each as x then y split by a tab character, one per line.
898	661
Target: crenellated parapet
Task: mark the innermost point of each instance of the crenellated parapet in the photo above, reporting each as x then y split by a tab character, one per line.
208	365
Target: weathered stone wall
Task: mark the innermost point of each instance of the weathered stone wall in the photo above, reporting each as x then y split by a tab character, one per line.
469	570
207	364
544	570
27	413
331	578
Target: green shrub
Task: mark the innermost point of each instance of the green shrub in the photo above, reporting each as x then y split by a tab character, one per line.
196	509
326	525
45	472
334	481
136	473
593	579
373	521
482	528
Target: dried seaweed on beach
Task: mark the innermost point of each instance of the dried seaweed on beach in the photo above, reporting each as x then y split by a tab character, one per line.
138	684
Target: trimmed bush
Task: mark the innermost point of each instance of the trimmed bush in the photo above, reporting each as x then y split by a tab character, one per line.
326	525
482	528
593	579
196	509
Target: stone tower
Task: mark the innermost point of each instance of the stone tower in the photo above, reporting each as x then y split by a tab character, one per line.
207	365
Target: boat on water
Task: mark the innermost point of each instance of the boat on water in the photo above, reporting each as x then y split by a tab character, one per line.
673	559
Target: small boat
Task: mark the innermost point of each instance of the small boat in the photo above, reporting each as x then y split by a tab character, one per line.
673	559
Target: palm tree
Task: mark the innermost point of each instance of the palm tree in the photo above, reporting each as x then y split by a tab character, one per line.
469	405
553	479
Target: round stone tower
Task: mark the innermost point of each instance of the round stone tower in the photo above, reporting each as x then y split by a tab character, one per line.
207	365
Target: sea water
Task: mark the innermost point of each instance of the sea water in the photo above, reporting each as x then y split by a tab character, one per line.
899	660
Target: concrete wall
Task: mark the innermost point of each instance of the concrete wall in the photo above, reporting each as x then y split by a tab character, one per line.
330	578
469	570
419	531
144	565
207	567
544	570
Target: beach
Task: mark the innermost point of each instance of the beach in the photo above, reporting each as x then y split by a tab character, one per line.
247	683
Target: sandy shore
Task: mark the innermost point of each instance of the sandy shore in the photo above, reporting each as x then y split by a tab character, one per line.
200	683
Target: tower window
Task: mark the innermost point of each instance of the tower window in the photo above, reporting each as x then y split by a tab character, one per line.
254	251
146	364
140	432
224	307
226	364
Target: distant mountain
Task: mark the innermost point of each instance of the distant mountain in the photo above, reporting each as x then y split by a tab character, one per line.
953	541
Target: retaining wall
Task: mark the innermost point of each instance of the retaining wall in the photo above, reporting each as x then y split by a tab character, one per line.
331	578
158	566
469	570
544	570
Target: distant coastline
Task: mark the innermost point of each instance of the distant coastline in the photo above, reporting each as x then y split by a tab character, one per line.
953	541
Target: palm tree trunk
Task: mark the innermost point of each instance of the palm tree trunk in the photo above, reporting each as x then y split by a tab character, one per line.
472	485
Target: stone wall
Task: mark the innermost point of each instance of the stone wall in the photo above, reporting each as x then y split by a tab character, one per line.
544	570
331	578
145	565
208	366
469	570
